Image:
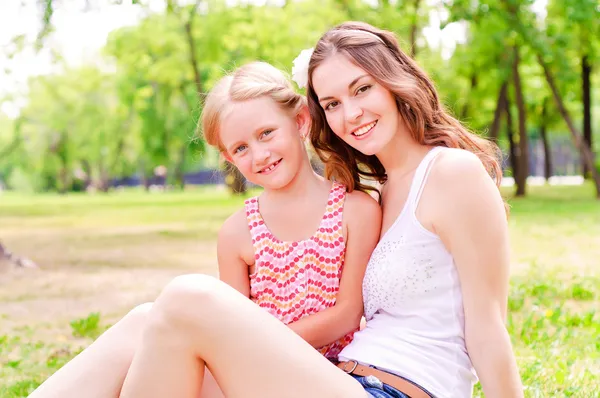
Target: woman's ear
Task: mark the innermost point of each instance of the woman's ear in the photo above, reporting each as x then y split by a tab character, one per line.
303	121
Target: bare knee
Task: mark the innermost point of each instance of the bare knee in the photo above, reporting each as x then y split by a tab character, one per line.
139	314
188	297
192	283
191	289
130	327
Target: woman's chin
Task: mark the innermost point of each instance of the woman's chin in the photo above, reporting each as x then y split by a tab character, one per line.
367	148
370	146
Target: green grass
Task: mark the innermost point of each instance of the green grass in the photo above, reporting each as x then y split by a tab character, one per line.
106	253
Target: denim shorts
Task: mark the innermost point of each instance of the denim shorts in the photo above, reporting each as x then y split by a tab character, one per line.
376	389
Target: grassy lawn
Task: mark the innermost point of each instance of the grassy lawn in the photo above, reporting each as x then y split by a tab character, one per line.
102	255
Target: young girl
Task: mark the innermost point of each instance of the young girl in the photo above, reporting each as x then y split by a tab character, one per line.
286	249
298	250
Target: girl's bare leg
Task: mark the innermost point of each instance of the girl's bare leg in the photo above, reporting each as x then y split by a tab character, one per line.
199	320
99	370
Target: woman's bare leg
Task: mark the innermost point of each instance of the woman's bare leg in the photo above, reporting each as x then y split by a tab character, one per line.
210	387
99	370
199	320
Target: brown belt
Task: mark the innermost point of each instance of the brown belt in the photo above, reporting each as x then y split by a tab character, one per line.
403	385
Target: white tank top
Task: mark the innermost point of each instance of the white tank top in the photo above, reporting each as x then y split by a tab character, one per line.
413	305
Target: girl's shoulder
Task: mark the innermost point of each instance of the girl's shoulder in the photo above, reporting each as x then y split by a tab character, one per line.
235	228
361	205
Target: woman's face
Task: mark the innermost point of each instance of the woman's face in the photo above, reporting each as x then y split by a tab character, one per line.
358	109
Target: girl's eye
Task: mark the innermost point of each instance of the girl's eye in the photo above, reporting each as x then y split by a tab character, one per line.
363	89
331	105
239	149
266	133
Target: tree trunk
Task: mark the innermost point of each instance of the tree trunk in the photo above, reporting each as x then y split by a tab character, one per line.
414	28
501	104
103	179
87	169
586	71
521	177
62	152
125	126
586	153
63	178
544	137
238	184
178	173
144	175
465	110
513	155
188	26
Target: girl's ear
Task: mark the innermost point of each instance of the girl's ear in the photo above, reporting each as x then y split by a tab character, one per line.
226	156
303	121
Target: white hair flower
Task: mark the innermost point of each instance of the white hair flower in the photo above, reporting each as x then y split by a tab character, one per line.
300	67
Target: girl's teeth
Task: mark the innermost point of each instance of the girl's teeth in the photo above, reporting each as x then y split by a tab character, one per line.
271	167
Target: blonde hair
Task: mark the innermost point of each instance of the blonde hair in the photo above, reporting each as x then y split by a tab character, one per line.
248	82
378	53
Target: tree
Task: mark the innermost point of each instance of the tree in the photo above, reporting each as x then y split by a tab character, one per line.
72	124
544	136
522	23
164	100
486	65
523	170
581	41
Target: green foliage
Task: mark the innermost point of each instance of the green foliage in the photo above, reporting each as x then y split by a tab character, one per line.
138	108
87	327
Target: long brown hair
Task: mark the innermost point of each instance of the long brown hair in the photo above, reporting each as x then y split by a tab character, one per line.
378	53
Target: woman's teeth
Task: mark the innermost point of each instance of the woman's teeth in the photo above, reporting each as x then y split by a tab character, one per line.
365	129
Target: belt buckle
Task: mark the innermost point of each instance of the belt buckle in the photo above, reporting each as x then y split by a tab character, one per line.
353	368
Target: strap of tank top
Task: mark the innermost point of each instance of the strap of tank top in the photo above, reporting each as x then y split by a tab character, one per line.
252	215
337	191
421	175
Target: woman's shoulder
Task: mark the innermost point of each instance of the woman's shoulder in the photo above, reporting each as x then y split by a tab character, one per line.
456	163
455	169
459	176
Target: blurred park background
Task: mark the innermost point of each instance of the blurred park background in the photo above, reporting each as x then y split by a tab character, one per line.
108	188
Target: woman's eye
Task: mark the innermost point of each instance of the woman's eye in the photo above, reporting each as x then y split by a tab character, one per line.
362	89
331	105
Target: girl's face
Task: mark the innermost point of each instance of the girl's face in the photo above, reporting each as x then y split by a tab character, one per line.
264	141
358	109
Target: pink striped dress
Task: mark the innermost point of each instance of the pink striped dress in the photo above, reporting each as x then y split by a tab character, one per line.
292	280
